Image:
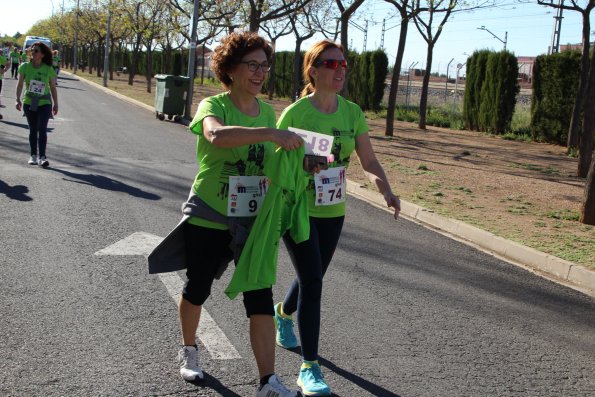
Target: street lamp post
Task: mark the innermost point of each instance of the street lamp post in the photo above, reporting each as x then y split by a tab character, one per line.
496	37
191	61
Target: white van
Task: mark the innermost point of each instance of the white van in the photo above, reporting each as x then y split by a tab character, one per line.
32	39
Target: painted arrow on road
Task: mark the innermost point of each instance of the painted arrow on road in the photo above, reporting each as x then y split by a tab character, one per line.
209	333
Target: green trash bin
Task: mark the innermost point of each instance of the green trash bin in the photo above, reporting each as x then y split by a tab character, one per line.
170	98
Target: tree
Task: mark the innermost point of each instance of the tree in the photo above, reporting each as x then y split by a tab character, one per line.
346	12
260	11
588	210
586	141
275	30
424	26
406	12
574	134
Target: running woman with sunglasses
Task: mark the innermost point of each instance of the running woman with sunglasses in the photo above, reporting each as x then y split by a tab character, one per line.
41	99
321	109
236	135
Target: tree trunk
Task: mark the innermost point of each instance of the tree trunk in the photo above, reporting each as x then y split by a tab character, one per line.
394	82
579	102
586	141
423	101
271	85
588	210
296	70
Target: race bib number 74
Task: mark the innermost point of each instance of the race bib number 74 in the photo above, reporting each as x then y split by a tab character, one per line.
330	186
246	195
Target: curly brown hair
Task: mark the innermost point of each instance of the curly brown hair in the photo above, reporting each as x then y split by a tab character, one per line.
232	49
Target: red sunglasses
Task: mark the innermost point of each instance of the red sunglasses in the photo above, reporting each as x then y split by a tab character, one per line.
331	63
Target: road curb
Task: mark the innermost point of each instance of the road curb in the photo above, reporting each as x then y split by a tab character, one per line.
549	266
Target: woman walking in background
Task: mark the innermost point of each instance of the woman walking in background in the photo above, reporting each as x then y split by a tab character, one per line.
322	110
40	101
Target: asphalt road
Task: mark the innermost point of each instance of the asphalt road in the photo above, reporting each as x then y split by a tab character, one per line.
406	311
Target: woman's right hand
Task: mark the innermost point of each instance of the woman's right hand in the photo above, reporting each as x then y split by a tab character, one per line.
288	140
19	106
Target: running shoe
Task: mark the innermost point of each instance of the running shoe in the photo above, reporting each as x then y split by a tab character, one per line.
32	159
311	380
284	325
43	161
275	388
189	364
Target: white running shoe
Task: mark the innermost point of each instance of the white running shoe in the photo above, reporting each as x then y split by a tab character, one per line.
189	364
43	161
33	160
275	388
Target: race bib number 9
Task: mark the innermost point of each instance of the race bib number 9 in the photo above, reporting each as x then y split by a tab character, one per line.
246	195
36	87
330	186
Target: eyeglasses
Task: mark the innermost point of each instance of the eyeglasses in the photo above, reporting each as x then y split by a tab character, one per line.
253	66
332	63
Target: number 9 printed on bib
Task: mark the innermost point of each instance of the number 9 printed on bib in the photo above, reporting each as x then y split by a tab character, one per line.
246	195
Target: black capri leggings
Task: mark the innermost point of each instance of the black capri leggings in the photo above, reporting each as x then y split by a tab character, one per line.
206	250
311	259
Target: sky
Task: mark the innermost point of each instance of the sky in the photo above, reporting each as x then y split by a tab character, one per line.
527	27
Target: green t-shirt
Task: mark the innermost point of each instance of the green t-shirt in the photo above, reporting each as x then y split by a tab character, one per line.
56	61
15	57
42	75
24	57
217	164
347	123
3	61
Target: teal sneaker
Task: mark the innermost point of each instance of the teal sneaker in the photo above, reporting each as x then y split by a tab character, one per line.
311	380
284	326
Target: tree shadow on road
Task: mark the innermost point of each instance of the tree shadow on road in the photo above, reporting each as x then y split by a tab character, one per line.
17	192
107	183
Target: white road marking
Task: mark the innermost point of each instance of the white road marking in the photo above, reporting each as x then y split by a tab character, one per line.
209	333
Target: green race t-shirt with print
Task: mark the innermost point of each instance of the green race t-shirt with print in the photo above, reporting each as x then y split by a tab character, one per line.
15	57
217	164
37	79
347	123
3	61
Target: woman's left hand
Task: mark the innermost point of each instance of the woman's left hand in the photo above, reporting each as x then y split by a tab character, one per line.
394	202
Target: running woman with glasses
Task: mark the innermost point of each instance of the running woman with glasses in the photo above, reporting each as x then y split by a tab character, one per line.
321	109
41	99
236	136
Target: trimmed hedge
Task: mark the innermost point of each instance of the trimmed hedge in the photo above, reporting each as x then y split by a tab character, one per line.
555	82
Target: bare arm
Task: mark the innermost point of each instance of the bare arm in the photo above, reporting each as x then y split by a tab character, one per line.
54	93
232	136
20	91
375	172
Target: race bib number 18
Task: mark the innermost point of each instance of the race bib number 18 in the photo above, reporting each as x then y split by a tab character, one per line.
246	195
330	186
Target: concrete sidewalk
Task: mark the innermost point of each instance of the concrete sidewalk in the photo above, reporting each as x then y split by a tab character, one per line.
558	270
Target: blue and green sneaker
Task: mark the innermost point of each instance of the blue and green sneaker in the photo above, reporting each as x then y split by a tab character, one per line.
284	325
311	380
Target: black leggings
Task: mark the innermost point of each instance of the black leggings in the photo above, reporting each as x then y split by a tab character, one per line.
206	249
311	259
38	127
14	70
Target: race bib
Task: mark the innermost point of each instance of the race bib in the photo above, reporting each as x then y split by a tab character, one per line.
36	87
330	186
246	195
314	142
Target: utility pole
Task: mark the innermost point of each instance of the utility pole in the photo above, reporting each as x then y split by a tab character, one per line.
555	47
382	35
191	60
